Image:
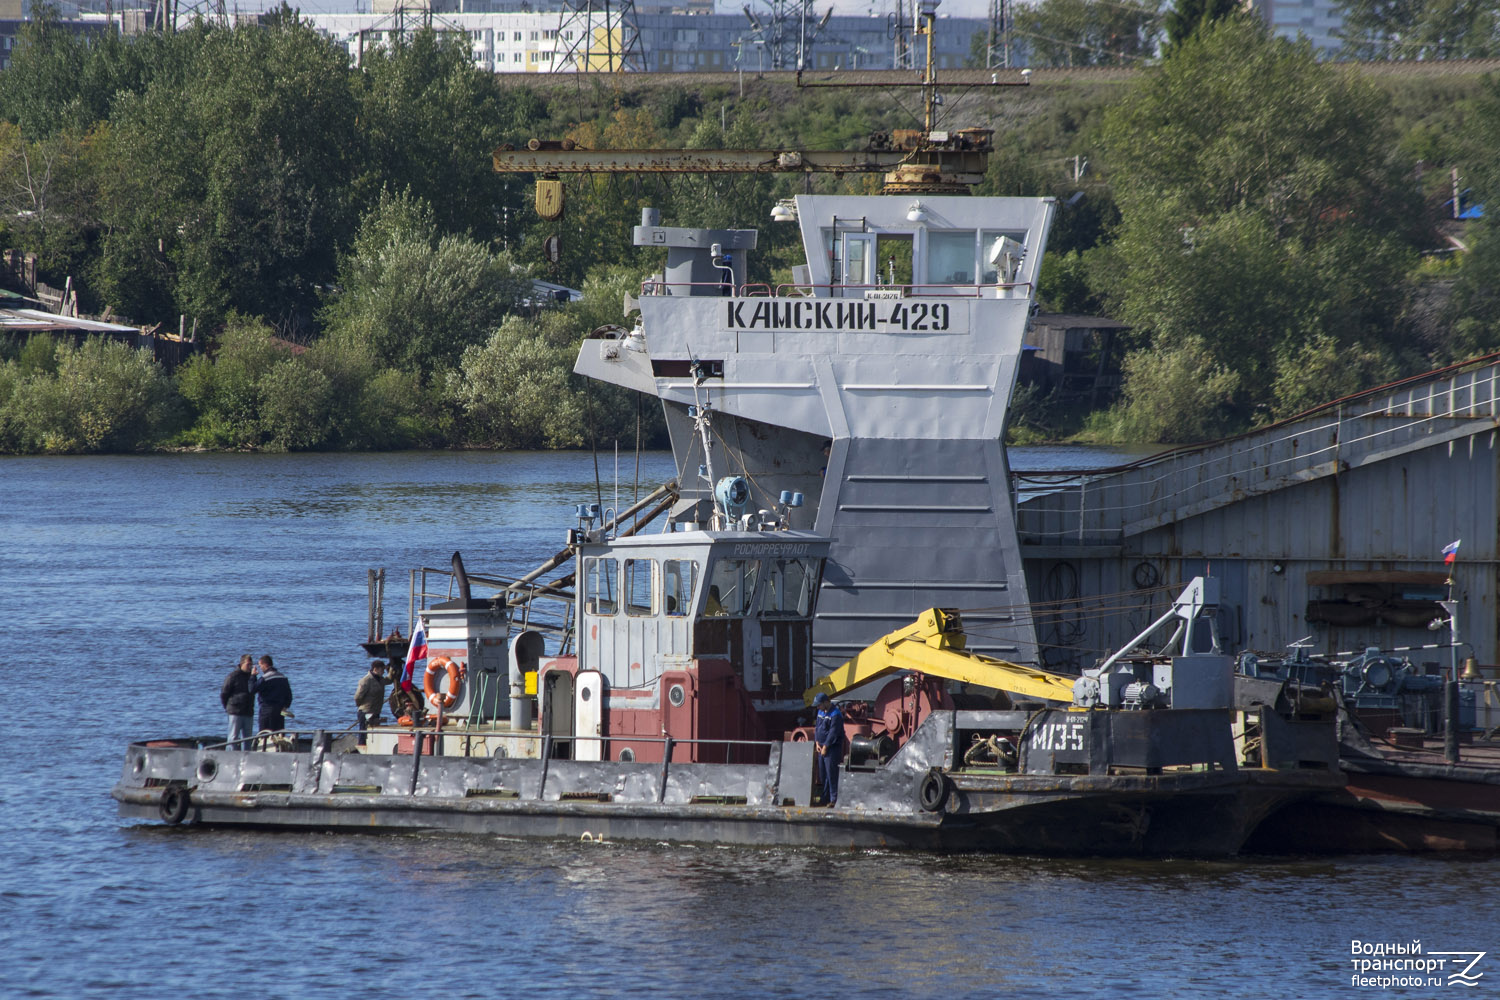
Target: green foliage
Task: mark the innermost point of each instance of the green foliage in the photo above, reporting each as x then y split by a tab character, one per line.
256	392
230	187
1474	312
1480	139
1248	211
1176	394
416	298
1321	369
513	390
374	407
49	193
1088	32
1420	29
103	396
1064	284
38	355
296	406
430	118
1259	215
517	390
1187	17
224	388
59	80
676	105
1238	119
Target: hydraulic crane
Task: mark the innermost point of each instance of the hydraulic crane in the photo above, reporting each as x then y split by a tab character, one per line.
934	646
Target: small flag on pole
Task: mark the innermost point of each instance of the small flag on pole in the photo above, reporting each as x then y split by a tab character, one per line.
416	652
1450	552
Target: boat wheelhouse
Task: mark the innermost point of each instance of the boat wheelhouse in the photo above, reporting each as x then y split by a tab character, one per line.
703	636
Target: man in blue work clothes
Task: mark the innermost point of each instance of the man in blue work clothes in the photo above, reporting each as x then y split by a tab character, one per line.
828	738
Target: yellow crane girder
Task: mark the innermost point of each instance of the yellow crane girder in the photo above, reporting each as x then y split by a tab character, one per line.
934	645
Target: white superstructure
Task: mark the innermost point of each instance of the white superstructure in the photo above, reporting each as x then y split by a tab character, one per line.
876	386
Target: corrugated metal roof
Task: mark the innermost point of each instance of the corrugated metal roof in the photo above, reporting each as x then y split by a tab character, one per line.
37	319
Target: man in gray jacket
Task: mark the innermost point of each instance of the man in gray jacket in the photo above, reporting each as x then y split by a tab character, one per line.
369	696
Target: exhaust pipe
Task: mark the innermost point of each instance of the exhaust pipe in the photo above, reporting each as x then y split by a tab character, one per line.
461	578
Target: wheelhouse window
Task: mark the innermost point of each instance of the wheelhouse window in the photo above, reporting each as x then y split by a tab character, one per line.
789	587
950	257
638	589
679	580
602	576
731	588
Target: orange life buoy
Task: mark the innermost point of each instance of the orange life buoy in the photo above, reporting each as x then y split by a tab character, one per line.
430	681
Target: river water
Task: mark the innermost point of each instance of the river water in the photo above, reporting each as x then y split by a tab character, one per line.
129	585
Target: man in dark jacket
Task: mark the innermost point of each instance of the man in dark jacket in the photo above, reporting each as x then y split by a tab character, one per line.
274	692
238	697
828	738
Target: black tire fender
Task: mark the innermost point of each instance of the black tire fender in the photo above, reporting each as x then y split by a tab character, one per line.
174	805
932	791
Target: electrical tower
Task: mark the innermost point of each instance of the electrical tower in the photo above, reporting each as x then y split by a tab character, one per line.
598	36
786	31
898	29
997	45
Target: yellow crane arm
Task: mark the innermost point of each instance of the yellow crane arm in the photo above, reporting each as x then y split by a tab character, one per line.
934	645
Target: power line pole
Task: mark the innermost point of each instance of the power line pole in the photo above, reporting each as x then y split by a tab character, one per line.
598	36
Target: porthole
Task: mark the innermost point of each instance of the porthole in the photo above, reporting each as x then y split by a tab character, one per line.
627	755
585	694
208	769
676	695
138	764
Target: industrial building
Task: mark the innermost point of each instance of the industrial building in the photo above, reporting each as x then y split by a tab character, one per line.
1327	528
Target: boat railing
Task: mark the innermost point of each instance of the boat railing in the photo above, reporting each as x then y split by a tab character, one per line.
265	739
532	604
937	290
941	290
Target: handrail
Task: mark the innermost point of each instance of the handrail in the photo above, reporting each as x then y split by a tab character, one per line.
266	735
1401	413
945	290
653	287
930	290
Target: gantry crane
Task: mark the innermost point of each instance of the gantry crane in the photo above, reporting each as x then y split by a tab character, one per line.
926	160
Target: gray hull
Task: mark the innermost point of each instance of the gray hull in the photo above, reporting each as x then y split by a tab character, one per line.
1080	816
909	803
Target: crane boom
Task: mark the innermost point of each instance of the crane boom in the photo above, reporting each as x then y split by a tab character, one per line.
939	161
934	645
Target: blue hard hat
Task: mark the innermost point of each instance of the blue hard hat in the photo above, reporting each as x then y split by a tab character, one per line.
821	699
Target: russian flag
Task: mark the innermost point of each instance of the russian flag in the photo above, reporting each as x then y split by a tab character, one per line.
416	651
1450	552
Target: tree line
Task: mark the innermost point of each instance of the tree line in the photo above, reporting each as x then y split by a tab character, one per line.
1059	33
364	279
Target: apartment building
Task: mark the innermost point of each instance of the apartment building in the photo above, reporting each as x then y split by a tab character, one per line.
529	40
1319	21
